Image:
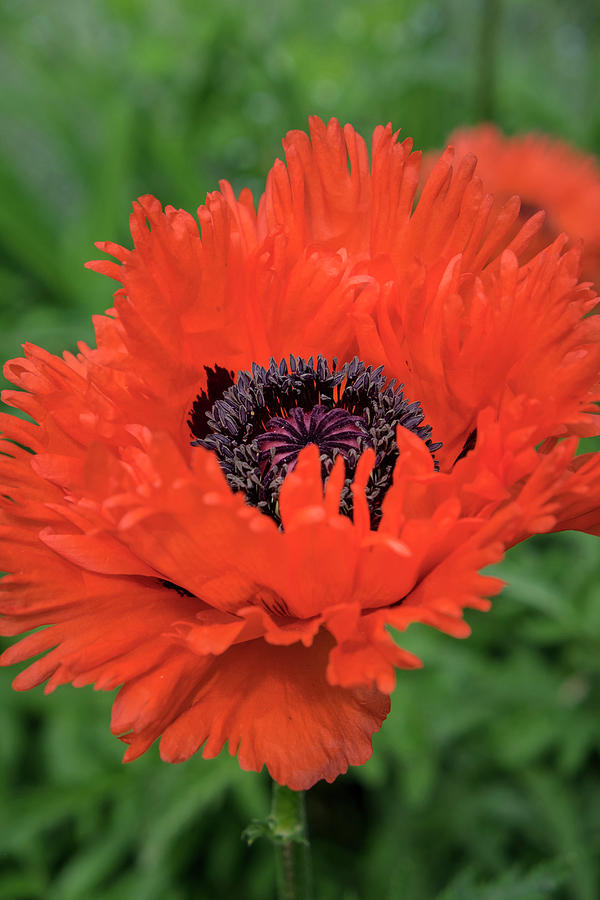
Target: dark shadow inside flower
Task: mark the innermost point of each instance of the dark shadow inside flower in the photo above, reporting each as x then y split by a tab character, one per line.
468	446
218	380
183	592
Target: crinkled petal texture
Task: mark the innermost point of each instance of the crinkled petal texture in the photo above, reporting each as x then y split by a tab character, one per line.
547	174
153	576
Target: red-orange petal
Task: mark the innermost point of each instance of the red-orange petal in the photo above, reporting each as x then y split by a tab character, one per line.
275	707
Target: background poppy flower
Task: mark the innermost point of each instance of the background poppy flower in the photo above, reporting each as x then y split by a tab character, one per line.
547	174
125	521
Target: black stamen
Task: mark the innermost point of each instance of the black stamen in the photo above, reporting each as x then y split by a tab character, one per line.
258	425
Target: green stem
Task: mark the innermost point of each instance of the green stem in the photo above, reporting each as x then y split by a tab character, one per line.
290	839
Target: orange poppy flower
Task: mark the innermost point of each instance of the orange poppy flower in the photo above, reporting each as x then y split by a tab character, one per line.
224	507
547	174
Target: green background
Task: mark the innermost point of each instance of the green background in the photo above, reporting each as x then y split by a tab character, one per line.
484	779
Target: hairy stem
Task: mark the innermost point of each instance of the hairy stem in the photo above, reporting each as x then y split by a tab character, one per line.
290	839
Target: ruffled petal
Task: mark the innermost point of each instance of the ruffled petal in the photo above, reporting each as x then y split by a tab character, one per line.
276	708
547	174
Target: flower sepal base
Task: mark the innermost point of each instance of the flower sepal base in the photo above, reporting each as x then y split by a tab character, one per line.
285	827
285	824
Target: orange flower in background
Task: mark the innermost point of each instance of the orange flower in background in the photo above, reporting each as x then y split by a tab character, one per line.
300	426
547	174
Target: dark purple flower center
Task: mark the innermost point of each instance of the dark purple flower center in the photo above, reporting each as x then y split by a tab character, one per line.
258	425
332	430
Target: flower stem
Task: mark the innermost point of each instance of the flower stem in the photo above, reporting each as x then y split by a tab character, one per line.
290	840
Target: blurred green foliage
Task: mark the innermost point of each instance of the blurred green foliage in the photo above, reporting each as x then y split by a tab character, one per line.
484	784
